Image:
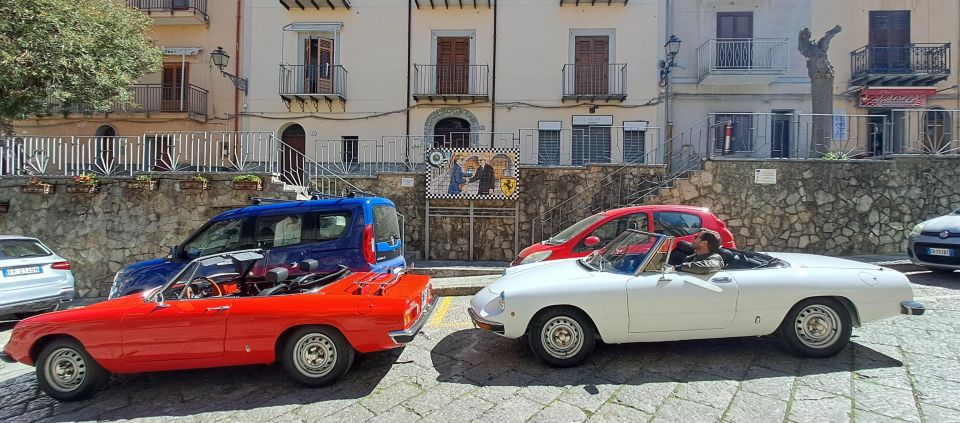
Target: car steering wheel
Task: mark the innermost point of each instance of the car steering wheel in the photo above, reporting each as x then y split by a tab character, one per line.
188	292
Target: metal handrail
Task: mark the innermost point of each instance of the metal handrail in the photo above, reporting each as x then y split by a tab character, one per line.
743	56
595	79
907	59
198	7
450	80
313	79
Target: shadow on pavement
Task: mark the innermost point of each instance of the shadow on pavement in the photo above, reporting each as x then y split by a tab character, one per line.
190	392
933	279
483	359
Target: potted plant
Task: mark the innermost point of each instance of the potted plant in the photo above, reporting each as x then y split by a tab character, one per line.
143	182
84	183
196	182
36	186
247	182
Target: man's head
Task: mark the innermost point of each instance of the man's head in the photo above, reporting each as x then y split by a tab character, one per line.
480	160
706	242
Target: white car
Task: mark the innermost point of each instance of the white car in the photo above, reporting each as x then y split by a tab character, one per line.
627	293
32	277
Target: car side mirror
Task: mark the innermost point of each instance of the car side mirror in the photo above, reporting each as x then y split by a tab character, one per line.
158	298
176	252
591	241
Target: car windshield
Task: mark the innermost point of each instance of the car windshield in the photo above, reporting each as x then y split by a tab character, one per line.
217	269
573	230
957	211
21	248
626	253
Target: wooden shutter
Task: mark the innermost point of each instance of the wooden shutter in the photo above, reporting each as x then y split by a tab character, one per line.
734	30
318	66
591	65
890	40
175	76
453	65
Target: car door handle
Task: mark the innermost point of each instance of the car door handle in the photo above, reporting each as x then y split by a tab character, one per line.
722	279
221	308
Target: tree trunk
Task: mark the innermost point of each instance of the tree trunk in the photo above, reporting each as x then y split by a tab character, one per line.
821	133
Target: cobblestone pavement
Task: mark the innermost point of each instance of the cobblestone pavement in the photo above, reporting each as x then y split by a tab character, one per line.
903	369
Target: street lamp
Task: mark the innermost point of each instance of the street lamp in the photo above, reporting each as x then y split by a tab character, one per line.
220	58
670	49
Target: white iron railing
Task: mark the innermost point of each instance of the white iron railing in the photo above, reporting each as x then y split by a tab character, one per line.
743	56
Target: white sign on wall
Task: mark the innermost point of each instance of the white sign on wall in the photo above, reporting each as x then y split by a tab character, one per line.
592	120
765	176
407	182
840	122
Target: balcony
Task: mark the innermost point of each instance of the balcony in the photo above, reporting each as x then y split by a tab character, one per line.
456	4
742	61
312	83
592	2
450	82
316	4
593	82
173	12
910	65
147	98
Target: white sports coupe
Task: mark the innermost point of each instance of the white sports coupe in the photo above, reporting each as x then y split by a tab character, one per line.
627	292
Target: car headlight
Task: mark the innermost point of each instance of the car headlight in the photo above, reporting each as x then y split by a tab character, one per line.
535	257
115	287
503	301
916	230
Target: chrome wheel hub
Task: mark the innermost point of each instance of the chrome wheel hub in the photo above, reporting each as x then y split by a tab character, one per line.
818	326
562	337
65	370
314	355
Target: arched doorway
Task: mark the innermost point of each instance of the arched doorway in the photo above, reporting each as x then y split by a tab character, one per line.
106	131
293	151
936	131
452	132
103	147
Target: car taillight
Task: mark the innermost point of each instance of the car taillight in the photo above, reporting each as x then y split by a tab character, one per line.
369	246
411	315
61	265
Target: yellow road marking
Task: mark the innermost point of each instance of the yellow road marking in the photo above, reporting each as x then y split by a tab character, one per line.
441	311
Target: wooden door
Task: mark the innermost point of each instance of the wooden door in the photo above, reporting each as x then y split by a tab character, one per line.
890	40
293	151
453	65
591	65
318	66
734	37
172	89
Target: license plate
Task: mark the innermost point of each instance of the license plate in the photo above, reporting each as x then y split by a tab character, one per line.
17	271
940	252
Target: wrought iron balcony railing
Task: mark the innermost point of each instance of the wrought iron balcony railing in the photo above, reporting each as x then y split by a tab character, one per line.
602	81
437	82
743	56
173	8
302	82
916	63
147	98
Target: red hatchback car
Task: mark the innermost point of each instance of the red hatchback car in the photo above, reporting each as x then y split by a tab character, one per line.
592	233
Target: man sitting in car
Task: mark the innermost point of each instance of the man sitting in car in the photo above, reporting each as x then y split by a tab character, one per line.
706	258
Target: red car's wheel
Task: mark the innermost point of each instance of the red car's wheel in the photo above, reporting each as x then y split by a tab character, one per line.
317	355
66	372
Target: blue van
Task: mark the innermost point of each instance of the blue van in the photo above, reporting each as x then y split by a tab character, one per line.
363	234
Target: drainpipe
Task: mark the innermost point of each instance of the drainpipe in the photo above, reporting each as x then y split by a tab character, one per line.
409	42
667	103
236	71
493	82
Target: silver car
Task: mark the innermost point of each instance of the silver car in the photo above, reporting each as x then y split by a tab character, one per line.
935	244
32	277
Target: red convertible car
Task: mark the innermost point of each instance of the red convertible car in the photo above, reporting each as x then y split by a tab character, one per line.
225	310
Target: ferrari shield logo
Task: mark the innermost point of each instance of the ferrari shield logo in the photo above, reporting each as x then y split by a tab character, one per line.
508	186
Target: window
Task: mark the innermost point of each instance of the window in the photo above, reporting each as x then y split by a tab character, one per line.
386	226
634	142
591	144
20	248
279	231
548	147
936	131
332	226
217	238
734	40
610	230
351	149
741	132
676	223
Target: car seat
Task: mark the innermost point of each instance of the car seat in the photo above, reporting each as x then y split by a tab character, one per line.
276	276
727	255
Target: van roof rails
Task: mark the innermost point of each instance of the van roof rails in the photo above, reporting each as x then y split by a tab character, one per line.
256	201
316	195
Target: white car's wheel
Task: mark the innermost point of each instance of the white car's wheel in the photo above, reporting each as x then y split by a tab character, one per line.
317	356
816	327
66	372
562	337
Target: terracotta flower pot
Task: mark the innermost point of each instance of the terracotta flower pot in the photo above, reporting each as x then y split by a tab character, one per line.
193	185
37	189
82	189
143	185
248	185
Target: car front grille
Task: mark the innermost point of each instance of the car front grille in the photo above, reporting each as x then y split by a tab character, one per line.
937	234
920	249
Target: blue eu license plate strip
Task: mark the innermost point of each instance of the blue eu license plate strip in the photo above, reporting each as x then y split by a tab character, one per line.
943	252
17	271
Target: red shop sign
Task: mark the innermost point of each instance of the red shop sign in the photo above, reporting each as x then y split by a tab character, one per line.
896	96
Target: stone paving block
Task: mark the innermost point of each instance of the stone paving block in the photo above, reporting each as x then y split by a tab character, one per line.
936	391
588	397
353	413
768	382
837	383
515	410
320	409
885	401
809	405
541	393
750	407
396	415
936	414
705	389
465	408
385	399
436	397
559	412
645	393
616	413
679	410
